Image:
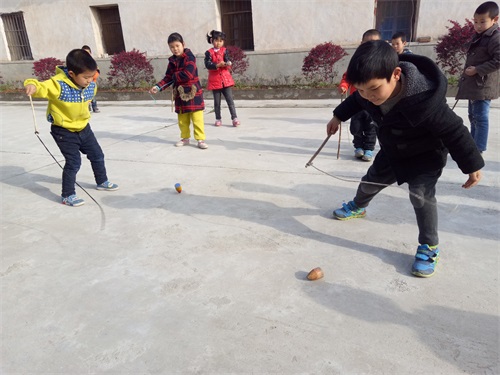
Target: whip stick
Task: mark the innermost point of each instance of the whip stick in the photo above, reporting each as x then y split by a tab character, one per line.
319	149
338	145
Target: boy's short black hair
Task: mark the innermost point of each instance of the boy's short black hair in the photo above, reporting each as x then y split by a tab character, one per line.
489	7
175	37
86	48
371	32
398	35
375	59
79	61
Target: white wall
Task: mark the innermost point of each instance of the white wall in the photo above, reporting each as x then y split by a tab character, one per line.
284	30
434	15
56	26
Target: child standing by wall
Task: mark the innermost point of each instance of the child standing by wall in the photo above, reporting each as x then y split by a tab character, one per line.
416	129
182	74
399	43
480	80
220	80
362	126
69	93
93	103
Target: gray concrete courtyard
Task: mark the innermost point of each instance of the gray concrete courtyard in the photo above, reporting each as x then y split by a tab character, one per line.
212	280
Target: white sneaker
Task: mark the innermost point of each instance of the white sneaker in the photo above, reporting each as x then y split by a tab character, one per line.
202	145
182	142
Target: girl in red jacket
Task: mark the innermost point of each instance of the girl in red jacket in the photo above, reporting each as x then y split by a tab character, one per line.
220	80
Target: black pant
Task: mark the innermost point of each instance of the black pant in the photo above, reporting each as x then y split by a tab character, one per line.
228	95
422	196
71	144
363	130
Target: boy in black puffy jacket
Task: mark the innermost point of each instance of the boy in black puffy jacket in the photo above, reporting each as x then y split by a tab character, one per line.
406	97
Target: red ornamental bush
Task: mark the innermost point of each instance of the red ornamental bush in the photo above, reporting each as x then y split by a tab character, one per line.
319	64
130	70
451	49
45	68
239	60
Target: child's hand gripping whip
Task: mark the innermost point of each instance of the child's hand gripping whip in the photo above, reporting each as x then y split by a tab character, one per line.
171	99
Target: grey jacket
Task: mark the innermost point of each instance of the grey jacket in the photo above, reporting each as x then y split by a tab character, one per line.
484	54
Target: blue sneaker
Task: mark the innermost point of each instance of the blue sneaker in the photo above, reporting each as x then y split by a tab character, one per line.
107	186
349	211
425	261
368	156
72	200
359	152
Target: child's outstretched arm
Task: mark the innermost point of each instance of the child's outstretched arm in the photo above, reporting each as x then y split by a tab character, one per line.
46	89
473	180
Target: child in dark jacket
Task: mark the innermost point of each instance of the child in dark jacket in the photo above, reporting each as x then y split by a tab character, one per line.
416	129
182	74
220	80
480	80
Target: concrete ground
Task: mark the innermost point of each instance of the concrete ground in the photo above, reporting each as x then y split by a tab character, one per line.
212	280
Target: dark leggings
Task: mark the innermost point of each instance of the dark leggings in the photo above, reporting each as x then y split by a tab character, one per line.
422	197
228	95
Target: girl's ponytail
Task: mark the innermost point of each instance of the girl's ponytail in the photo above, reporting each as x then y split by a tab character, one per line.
214	34
210	37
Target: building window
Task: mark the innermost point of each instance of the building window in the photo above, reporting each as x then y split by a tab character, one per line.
17	37
237	23
393	16
110	24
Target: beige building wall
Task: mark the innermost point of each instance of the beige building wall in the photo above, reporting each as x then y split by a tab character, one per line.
284	30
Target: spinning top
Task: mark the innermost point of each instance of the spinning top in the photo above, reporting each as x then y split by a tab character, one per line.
315	274
178	187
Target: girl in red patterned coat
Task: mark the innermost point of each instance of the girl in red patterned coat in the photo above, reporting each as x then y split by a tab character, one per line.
220	80
182	74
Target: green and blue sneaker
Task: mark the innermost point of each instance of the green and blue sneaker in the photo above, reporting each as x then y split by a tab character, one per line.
107	186
426	260
72	200
349	211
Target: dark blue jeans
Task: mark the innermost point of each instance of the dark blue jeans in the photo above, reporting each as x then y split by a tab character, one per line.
71	145
422	196
228	94
479	112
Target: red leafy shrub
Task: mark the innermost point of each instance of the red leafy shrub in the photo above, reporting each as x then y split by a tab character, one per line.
45	68
239	60
130	70
319	64
452	48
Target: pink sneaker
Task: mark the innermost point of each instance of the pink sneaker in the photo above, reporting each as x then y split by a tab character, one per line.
236	122
218	123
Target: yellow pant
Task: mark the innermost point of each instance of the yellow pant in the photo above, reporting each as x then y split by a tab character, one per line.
198	125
